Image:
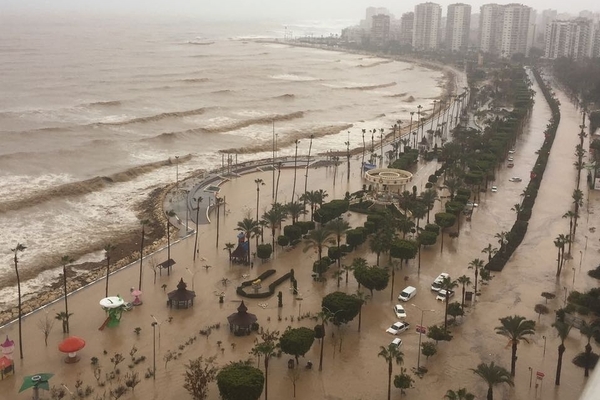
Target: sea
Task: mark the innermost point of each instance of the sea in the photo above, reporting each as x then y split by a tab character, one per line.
92	109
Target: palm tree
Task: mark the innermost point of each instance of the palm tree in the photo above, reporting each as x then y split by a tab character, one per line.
108	249
143	222
429	197
248	226
273	218
198	200
295	168
318	238
563	329
267	348
476	264
493	375
64	318
310	198
65	260
325	316
347	269
295	210
460	394
560	242
362	297
229	247
491	251
338	227
19	248
306	172
170	214
588	330
258	182
464	281
515	328
502	240
391	354
447	285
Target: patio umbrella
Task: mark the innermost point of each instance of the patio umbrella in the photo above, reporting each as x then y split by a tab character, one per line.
71	345
37	381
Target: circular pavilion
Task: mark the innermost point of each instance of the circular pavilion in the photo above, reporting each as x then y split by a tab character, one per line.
181	297
240	323
388	179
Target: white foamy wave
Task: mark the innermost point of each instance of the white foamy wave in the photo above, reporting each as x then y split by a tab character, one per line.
293	78
28	184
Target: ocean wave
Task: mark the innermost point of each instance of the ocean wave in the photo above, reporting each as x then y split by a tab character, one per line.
293	78
112	103
374	64
230	127
154	118
287	96
410	99
371	87
397	95
222	91
200	43
195	80
74	189
289	139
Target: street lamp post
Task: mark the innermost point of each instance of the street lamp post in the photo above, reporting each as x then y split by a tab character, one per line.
565	301
198	201
530	375
193	276
154	349
177	171
420	334
544	337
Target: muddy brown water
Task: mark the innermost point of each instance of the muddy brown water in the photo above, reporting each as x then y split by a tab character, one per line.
356	372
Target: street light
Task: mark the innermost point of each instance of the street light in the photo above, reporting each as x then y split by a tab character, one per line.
193	276
154	349
544	337
198	201
177	171
565	302
420	333
530	375
574	276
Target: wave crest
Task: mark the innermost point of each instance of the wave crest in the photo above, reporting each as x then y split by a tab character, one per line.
195	80
154	118
287	96
111	103
81	188
371	87
375	64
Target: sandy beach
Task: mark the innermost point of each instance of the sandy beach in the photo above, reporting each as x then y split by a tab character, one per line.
514	291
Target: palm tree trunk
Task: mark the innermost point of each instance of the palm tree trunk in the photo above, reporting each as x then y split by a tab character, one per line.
476	275
393	276
513	360
169	246
266	376
107	273
321	356
462	302
561	350
588	353
66	301
360	317
490	394
20	309
390	379
141	259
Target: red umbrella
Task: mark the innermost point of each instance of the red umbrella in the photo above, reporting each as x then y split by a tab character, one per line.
71	345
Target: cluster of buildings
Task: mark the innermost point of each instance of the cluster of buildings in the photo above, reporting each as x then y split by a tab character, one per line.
502	30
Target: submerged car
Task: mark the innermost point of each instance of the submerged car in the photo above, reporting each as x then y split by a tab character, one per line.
397	342
510	165
398	327
494	189
511	159
444	294
437	283
399	311
515	179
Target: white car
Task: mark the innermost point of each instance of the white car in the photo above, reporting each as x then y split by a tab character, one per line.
511	159
397	342
511	151
471	204
494	189
398	327
400	311
442	295
437	283
515	179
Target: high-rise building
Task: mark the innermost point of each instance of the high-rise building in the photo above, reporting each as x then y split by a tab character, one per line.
406	28
380	28
458	25
505	30
572	39
367	23
426	26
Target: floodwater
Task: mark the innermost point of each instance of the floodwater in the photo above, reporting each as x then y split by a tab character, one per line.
356	372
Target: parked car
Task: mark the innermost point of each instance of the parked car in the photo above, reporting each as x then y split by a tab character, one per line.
437	283
515	179
510	165
511	159
511	151
397	342
400	311
442	294
408	293
494	189
398	327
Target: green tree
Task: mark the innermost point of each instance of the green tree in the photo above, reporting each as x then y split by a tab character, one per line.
317	239
295	210
296	342
371	277
229	247
455	310
403	381
66	260
464	281
562	329
515	328
273	218
391	354
381	242
338	227
249	227
240	381
447	285
460	394
477	265
199	373
63	318
343	307
490	250
493	375
588	330
362	297
444	220
429	197
437	333
428	349
266	347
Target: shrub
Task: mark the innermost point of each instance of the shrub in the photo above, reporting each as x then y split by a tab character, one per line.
292	232
263	251
283	240
355	237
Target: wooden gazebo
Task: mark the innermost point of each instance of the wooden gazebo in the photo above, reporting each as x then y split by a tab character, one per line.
240	323
181	298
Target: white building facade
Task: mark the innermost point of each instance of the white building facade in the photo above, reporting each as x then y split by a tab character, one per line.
458	26
427	26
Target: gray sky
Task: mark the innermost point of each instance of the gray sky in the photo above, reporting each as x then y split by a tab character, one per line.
257	9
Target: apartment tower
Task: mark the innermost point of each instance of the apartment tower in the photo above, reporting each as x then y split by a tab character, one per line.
505	30
426	26
458	25
572	39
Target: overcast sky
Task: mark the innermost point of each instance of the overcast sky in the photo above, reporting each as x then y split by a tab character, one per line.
257	9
